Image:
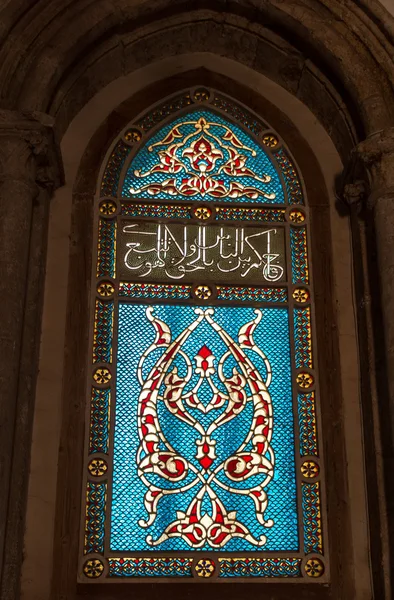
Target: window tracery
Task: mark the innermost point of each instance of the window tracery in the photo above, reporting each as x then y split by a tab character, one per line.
202	458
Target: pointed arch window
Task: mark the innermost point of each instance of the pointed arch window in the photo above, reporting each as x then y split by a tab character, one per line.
203	453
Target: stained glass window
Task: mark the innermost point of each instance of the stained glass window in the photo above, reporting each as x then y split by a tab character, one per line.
203	452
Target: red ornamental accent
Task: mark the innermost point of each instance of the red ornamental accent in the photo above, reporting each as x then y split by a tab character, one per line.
204	360
156	456
173	468
202	154
206	452
205	186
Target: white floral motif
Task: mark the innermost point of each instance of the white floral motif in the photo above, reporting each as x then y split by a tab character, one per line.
254	456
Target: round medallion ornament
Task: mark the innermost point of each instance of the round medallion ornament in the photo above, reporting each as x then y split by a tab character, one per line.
93	568
201	95
205	567
202	212
107	207
203	292
105	289
97	467
301	295
270	140
314	567
133	136
102	375
305	380
310	469
296	216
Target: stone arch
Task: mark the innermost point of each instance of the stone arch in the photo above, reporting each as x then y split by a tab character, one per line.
59	48
84	184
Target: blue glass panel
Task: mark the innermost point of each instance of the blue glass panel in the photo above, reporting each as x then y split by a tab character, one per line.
217	161
136	334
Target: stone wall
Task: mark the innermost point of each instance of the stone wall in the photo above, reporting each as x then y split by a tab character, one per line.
65	69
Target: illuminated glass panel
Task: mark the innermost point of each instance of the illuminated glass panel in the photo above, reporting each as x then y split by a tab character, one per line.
203	457
200	156
201	412
157	251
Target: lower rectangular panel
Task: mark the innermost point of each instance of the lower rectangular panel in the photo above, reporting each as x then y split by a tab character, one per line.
206	478
204	448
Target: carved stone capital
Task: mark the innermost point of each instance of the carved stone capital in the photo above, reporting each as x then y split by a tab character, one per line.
376	146
354	194
376	154
29	153
369	175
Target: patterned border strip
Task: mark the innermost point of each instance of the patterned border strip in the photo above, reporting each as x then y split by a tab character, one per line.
109	183
293	185
307	423
224	213
313	541
155	290
233	213
238	113
299	256
99	420
103	330
150	567
183	292
260	567
170	211
303	338
106	252
231	108
226	292
163	111
96	499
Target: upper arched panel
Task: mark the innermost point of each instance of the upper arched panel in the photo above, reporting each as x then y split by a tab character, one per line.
202	155
200	145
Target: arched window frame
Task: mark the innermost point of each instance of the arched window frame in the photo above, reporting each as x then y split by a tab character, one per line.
312	562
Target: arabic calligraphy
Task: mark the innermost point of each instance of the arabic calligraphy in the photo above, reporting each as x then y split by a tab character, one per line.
180	252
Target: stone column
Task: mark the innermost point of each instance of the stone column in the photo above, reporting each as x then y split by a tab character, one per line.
375	156
28	170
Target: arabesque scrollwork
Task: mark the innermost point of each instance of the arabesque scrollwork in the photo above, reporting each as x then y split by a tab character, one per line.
253	458
202	163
